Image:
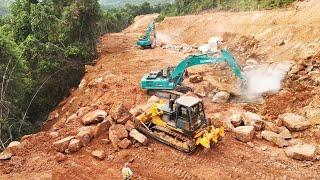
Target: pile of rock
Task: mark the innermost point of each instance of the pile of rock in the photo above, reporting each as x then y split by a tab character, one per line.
184	48
306	71
248	125
117	125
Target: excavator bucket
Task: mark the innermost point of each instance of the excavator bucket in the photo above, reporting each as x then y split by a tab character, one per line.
232	63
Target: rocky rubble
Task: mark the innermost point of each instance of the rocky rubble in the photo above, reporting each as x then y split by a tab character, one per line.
116	126
184	48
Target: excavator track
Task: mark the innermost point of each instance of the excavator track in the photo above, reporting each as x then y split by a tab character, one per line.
170	138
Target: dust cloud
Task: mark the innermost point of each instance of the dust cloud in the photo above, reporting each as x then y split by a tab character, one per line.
263	78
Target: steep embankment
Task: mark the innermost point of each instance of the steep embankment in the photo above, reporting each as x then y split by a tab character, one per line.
268	35
279	34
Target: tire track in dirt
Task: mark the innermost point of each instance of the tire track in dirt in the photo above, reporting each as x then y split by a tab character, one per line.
180	173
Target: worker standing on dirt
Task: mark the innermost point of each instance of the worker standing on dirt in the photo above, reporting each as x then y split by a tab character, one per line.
126	172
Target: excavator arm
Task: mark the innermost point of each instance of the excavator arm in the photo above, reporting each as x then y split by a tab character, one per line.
178	72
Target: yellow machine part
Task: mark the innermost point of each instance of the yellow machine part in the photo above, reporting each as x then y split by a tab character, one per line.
153	114
208	135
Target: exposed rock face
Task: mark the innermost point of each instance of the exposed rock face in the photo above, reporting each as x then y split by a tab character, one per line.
124	143
302	152
74	146
94	117
195	78
221	97
139	137
62	144
244	133
294	122
275	138
99	154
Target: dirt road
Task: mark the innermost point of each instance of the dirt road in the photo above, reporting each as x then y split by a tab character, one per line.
115	79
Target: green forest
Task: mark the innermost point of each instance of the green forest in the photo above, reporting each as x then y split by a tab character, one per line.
46	44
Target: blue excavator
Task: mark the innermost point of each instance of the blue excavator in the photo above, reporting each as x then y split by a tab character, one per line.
168	81
147	41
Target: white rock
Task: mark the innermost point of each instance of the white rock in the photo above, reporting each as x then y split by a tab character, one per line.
139	137
221	97
302	152
294	122
94	117
274	138
244	133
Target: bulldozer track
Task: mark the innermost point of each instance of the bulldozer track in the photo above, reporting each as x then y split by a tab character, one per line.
180	173
172	133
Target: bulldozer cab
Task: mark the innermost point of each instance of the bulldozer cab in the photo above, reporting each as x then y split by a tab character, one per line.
190	114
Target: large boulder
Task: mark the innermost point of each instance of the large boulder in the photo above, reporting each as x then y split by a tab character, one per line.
236	119
124	143
221	97
101	128
62	144
294	122
244	133
85	134
135	134
195	78
275	138
74	146
13	147
120	114
253	119
302	152
117	132
98	154
5	156
94	117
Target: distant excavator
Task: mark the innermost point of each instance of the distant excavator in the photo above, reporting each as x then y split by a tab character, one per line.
148	41
166	83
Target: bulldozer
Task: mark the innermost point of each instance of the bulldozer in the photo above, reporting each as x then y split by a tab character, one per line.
147	41
180	123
